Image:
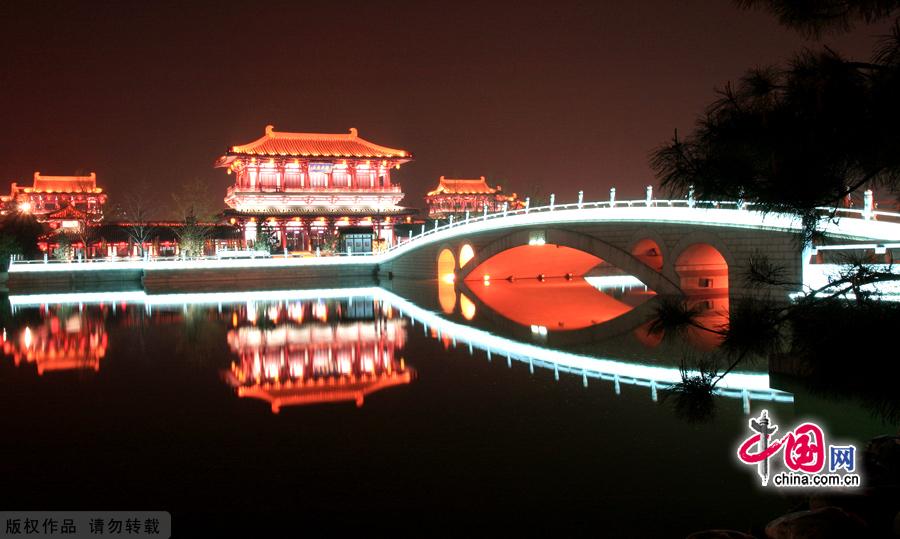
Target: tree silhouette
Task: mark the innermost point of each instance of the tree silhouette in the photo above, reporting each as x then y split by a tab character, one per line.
135	210
794	138
819	16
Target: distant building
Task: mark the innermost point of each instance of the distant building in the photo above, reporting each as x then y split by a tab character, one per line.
309	188
60	201
456	196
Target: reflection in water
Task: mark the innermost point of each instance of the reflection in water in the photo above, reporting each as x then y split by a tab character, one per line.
275	327
557	304
64	339
466	415
295	353
713	314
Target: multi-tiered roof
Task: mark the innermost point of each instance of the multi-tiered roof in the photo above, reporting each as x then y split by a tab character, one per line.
312	146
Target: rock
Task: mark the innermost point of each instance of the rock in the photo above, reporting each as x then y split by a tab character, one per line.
719	534
824	523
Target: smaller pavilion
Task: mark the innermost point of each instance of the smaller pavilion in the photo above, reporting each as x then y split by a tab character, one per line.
455	196
60	201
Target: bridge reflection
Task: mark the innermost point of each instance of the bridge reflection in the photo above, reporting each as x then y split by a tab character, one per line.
746	386
557	304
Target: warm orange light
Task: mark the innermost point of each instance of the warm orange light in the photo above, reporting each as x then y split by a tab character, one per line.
25	207
446	275
466	307
466	253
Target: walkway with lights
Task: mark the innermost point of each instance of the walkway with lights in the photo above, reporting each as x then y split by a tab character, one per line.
747	386
867	230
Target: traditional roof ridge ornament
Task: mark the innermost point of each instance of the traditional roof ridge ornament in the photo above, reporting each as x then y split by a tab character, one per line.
317	145
463	186
64	184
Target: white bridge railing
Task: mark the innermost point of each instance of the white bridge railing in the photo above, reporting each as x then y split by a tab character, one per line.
869	224
485	216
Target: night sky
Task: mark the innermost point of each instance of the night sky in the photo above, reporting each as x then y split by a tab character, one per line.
558	95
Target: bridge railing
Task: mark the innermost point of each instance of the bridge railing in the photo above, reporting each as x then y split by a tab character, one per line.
650	203
854	213
128	262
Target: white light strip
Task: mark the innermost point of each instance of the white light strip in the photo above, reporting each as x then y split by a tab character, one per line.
659	211
602	282
211	263
852	246
818	276
733	384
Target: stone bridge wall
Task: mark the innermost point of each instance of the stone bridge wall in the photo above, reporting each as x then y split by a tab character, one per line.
614	242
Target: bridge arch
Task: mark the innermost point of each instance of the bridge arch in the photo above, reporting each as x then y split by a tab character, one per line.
446	264
703	263
616	256
649	252
446	274
466	254
647	238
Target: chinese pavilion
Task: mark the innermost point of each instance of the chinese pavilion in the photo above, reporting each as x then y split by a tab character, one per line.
456	196
308	188
61	201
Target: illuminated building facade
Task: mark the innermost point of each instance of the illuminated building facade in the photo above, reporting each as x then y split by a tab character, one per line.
308	188
60	201
457	196
299	353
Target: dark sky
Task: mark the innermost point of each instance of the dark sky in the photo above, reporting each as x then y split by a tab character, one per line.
558	94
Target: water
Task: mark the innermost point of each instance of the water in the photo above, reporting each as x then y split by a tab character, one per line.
375	409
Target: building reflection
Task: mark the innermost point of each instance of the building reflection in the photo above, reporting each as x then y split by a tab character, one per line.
298	347
312	352
557	304
63	340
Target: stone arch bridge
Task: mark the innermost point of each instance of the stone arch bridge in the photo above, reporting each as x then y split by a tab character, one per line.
672	249
673	246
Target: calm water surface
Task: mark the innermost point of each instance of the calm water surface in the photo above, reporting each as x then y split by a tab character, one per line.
431	403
